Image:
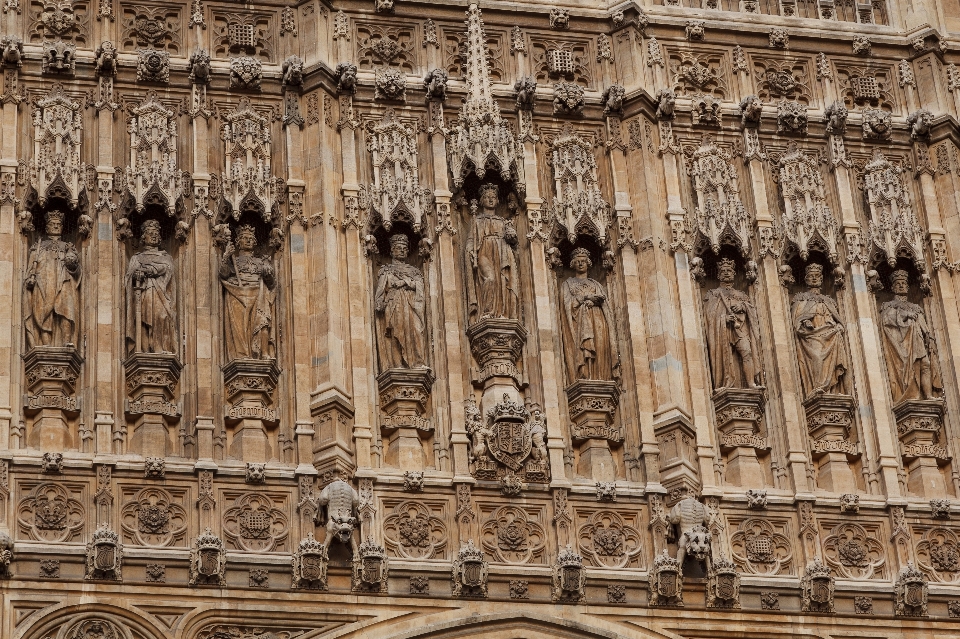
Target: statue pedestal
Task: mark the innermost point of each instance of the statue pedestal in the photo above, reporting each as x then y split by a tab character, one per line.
496	344
739	414
677	441
829	420
919	422
250	384
403	399
151	381
51	377
592	405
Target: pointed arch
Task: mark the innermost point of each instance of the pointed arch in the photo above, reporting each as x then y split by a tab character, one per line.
57	620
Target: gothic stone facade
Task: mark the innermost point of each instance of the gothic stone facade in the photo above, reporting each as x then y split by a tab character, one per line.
390	318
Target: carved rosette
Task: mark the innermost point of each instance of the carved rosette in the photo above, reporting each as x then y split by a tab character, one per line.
412	531
208	561
249	390
665	582
104	555
151	386
759	547
51	374
569	577
469	572
153	518
816	588
310	564
938	555
370	568
496	344
739	413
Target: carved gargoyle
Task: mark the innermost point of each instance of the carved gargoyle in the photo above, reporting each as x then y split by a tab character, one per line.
106	59
613	100
12	51
200	67
526	89
666	102
337	510
919	122
835	115
292	71
751	108
346	73
692	517
435	83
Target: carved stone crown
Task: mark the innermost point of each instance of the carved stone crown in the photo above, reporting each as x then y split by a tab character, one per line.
208	540
814	267
311	546
489	187
246	229
898	275
370	549
726	264
55	214
469	552
568	557
103	534
817	569
508	410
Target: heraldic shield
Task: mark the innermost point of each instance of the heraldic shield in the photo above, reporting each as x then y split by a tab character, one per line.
510	442
106	558
820	590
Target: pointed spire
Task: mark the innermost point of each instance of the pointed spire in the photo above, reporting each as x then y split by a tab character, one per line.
481	137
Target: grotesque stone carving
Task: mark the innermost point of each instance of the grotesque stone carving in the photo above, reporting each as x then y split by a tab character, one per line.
756	499
292	72
666	102
877	124
494	289
606	491
245	73
401	306
337	510
779	39
940	508
153	66
695	30
249	296
920	122
816	588
51	303
613	100
567	99
469	572
822	349
391	84
208	560
435	84
154	468
346	74
849	503
59	57
569	577
692	519
835	115
310	564
6	555
559	18
150	287
751	109
706	110
255	473
791	117
104	555
12	56
51	463
861	45
910	592
106	60
413	481
912	364
733	333
587	323
199	66
526	88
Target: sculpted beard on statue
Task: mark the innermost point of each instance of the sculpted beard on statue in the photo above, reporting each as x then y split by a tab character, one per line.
911	351
822	351
400	303
52	288
151	296
588	324
249	298
494	290
733	333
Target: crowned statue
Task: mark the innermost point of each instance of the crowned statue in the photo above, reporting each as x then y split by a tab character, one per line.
51	295
400	303
150	289
494	289
733	333
587	324
822	350
909	345
249	300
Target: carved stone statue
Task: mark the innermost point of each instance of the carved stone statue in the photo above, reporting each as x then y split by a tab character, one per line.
592	351
733	333
249	297
692	518
538	434
51	293
822	350
909	346
494	289
337	510
401	304
150	287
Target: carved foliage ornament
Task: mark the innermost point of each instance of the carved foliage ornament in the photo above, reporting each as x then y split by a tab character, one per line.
854	552
511	535
412	531
607	540
938	555
154	518
51	513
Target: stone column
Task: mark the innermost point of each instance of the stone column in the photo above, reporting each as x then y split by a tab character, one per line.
10	248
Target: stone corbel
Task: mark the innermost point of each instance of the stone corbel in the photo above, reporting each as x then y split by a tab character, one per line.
332	409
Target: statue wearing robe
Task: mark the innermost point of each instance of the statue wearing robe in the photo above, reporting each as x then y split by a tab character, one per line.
150	288
249	300
401	305
494	290
587	325
733	333
821	348
912	365
51	296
